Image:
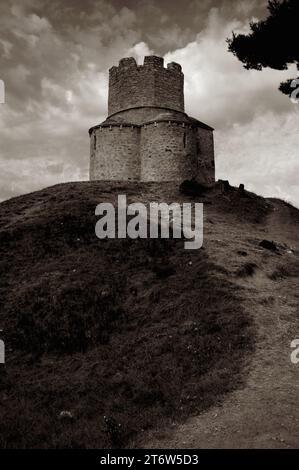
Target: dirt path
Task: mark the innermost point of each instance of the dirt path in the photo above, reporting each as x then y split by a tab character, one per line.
265	412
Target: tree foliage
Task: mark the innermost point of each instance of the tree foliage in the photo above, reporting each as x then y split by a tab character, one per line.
272	42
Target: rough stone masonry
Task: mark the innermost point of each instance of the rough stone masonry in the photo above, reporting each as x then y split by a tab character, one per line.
147	135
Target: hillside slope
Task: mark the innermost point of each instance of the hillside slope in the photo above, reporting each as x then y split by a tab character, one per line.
108	342
263	413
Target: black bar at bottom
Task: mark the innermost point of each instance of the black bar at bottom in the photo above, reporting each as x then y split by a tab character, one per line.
135	458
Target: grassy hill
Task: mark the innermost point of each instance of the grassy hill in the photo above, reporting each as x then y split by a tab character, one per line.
110	341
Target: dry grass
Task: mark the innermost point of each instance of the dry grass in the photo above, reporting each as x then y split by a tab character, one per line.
129	330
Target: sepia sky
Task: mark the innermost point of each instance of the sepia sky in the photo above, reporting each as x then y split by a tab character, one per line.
54	59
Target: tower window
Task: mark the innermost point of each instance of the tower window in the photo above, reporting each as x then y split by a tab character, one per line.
184	139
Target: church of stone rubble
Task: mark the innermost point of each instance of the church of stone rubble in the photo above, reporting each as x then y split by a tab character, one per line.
147	135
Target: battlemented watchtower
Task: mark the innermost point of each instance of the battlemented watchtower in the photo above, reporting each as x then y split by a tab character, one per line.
147	135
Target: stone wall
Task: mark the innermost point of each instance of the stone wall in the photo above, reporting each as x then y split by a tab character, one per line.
168	152
160	151
149	84
114	153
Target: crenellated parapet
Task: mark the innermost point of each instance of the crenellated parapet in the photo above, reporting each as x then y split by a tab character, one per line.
150	84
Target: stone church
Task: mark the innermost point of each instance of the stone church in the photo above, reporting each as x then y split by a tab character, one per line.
147	135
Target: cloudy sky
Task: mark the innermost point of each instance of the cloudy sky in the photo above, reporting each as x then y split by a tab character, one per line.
54	58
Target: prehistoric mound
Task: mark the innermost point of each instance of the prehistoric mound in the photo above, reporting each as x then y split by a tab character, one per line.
140	332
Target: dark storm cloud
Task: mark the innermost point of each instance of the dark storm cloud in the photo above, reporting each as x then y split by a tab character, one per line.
54	57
